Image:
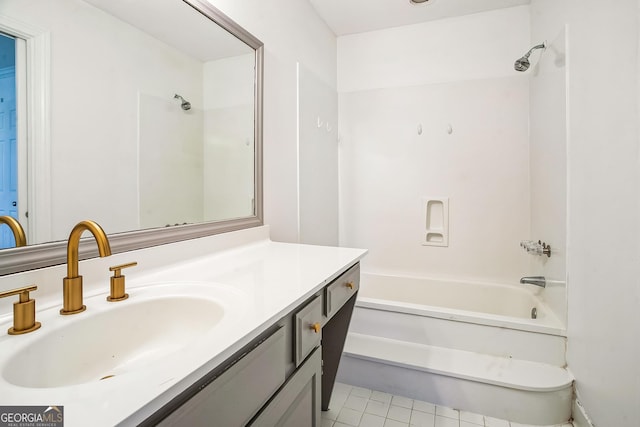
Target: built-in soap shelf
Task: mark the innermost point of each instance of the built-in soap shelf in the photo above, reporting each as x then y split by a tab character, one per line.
436	217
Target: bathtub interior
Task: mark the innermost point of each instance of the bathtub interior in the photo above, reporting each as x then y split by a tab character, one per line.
477	302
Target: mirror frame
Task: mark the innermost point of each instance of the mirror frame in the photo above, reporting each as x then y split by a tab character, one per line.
15	260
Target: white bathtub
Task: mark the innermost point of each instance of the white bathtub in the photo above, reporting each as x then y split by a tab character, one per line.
504	306
471	346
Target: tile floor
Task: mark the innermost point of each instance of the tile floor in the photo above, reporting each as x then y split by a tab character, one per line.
359	407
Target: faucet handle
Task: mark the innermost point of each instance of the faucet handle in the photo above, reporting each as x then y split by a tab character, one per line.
24	311
117	282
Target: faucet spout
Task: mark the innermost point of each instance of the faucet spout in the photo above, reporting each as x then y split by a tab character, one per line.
16	229
72	284
74	244
534	280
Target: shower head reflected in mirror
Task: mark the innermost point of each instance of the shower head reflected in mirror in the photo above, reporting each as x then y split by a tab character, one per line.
185	105
523	63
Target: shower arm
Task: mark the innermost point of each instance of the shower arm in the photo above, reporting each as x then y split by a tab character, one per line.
540	46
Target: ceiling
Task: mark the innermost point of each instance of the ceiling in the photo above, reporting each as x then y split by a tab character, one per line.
357	16
163	19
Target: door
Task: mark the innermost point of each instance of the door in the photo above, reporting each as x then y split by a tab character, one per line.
8	138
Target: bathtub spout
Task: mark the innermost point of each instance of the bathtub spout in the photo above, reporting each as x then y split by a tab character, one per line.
534	280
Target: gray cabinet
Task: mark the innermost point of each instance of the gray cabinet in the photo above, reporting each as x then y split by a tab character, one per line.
297	404
237	395
283	378
307	329
340	298
338	292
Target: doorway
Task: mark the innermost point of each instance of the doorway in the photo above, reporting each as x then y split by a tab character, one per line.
8	137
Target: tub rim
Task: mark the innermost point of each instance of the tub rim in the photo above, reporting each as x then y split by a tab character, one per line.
464	316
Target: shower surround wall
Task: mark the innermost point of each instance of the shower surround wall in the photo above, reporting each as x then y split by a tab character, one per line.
548	161
603	202
317	160
228	137
454	78
169	162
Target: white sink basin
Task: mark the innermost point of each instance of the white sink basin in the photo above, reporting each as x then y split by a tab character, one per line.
113	339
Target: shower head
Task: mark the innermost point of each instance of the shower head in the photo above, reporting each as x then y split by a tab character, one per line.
185	105
523	63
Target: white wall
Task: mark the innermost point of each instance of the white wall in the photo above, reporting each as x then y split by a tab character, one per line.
472	47
455	74
548	159
603	244
292	32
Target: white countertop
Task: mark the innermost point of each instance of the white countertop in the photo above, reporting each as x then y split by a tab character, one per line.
273	277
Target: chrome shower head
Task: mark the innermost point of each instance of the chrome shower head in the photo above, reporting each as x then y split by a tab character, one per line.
185	105
523	63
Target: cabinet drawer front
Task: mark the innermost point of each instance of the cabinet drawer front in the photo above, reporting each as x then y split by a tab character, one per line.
343	288
307	329
237	395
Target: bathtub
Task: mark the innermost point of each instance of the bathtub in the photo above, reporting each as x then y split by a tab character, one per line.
505	306
467	345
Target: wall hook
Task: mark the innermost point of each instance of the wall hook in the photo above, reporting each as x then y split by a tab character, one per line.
419	128
319	122
329	127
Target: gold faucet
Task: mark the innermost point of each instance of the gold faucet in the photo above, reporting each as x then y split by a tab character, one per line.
117	282
16	229
24	311
72	284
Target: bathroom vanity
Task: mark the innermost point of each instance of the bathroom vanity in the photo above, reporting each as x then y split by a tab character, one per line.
280	314
280	375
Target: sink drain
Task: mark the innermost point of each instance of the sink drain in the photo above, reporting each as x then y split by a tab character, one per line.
534	313
106	377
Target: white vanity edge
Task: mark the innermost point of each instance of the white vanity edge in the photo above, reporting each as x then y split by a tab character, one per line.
279	276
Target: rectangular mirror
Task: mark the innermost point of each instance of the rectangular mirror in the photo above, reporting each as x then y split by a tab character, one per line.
143	116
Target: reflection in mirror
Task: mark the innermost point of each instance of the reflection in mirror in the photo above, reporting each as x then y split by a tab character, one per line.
8	170
122	150
17	232
102	129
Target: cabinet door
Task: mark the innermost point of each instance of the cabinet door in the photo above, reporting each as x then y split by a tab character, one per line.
308	332
298	402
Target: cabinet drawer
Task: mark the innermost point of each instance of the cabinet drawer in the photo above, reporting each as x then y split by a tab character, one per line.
237	395
307	329
343	288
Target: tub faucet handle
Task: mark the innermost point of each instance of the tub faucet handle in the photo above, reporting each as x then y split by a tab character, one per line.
536	248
